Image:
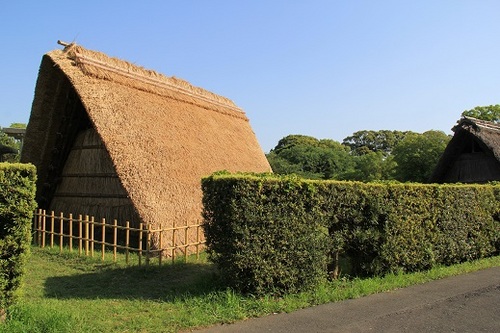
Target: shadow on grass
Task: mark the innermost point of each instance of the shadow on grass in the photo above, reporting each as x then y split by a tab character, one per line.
158	283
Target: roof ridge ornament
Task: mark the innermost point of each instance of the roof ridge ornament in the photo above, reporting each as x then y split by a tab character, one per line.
60	42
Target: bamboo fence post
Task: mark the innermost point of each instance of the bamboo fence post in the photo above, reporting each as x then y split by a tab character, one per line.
61	232
140	243
198	242
52	221
103	245
92	243
161	247
86	235
42	232
70	232
186	243
127	241
173	241
39	227
80	234
35	226
115	238
148	244
44	223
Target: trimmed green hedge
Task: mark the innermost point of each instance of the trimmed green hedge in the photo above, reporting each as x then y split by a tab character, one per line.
271	234
17	203
262	234
409	227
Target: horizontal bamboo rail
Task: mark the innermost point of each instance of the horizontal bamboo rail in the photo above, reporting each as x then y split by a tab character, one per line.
90	235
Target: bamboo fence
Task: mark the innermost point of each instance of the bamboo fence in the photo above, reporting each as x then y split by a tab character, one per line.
90	236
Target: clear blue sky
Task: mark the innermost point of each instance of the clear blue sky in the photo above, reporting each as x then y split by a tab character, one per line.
320	68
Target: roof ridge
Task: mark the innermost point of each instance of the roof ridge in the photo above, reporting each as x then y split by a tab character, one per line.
481	123
102	66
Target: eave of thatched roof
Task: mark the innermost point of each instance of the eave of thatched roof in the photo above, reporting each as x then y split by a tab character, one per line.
488	132
17	133
161	133
484	133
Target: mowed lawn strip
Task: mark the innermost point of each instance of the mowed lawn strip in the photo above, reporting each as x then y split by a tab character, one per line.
71	293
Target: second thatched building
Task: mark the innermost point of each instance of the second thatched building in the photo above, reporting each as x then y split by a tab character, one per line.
472	155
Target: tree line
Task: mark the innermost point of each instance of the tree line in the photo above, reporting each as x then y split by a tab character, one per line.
368	155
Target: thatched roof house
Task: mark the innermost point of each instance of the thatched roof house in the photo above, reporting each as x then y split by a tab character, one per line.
472	155
110	139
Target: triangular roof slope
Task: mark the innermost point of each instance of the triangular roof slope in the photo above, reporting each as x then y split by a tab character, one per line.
162	134
472	155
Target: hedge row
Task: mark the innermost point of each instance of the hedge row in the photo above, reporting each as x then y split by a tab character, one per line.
271	234
17	203
262	233
410	227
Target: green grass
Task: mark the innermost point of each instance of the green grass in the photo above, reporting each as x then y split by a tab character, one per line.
68	293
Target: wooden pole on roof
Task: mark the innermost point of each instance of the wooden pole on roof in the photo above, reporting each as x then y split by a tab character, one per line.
60	42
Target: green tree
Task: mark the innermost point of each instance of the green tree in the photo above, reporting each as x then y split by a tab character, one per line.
282	166
310	157
417	155
489	113
293	140
11	142
362	142
371	166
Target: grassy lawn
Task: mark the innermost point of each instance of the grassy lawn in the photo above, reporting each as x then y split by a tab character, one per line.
68	293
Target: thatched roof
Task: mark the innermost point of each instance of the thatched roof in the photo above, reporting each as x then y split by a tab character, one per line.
472	155
161	133
17	133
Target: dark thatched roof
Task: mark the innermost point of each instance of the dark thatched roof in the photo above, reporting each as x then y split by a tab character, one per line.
152	137
472	155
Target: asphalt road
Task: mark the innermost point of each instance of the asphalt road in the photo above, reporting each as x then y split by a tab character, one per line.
465	303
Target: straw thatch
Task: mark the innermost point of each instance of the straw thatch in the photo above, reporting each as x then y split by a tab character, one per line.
472	155
114	140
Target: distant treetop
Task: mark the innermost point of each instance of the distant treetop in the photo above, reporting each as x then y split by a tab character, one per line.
17	125
488	113
362	142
